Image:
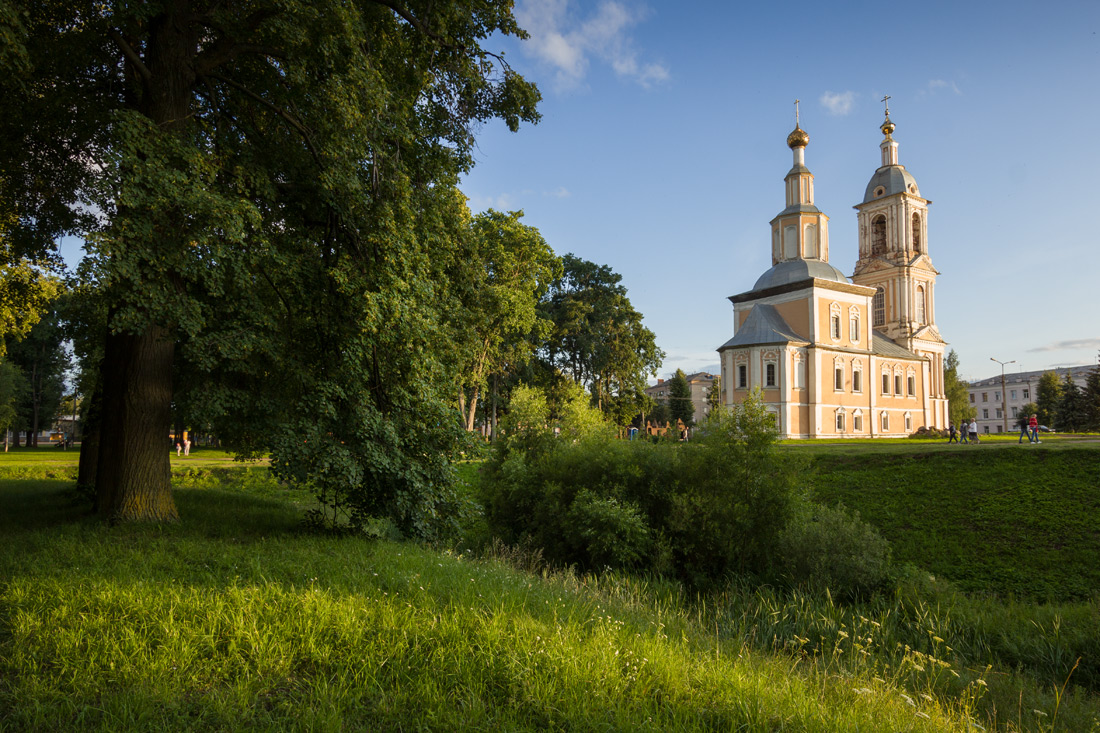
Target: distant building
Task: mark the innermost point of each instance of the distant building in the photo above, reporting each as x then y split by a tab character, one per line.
835	357
1020	389
700	383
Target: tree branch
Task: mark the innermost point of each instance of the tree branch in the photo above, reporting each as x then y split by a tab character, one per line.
131	55
297	125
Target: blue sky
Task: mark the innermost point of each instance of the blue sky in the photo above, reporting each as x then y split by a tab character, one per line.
661	153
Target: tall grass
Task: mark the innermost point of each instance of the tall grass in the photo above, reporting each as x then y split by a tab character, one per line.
234	619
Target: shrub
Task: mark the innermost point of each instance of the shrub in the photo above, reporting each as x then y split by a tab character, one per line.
831	548
610	532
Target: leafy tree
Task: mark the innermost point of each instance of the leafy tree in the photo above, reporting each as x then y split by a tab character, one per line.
1091	400
958	397
1072	410
511	267
274	194
680	406
44	362
598	339
714	394
12	387
1048	395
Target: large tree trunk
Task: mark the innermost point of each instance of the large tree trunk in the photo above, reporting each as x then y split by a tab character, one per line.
133	472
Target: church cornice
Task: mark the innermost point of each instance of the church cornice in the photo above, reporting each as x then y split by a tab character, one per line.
807	284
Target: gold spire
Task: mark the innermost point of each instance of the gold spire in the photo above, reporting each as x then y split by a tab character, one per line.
798	137
887	126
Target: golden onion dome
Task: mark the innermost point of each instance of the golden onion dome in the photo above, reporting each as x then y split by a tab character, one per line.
798	138
887	127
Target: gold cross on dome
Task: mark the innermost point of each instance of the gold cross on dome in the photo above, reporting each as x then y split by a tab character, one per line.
886	101
796	113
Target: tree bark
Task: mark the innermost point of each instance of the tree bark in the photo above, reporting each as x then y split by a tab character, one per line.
133	474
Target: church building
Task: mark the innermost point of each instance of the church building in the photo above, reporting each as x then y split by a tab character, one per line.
835	357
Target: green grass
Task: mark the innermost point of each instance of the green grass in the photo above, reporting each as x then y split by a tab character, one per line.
1019	521
237	618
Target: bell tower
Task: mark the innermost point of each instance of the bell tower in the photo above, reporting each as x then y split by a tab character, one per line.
894	258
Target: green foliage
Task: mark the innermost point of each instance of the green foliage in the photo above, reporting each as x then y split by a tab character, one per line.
831	549
1072	409
714	394
12	387
1048	395
509	268
598	339
711	507
958	399
680	406
1091	399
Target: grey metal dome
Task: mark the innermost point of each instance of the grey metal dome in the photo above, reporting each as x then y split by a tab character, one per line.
889	180
791	271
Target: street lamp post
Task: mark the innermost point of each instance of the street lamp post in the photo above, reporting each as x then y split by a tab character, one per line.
1004	408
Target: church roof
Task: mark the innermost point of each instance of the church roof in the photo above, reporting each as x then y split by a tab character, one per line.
882	346
763	326
791	271
892	178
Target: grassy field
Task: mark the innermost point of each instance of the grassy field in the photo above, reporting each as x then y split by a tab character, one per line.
1020	520
237	618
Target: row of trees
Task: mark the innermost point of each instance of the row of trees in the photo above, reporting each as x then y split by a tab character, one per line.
1062	403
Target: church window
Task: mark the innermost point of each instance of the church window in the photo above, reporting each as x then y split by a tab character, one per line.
897	384
878	235
857	421
857	379
840	420
836	327
920	304
790	242
885	422
742	376
769	375
838	379
885	383
916	233
811	240
912	385
908	422
878	305
799	373
853	325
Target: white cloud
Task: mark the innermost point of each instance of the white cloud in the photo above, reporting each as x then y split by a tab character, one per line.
1093	343
503	202
560	193
566	42
838	103
936	84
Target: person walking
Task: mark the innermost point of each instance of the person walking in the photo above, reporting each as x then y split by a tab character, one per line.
1033	424
953	438
1025	431
963	431
974	432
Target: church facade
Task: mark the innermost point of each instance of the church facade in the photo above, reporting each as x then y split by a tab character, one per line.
835	357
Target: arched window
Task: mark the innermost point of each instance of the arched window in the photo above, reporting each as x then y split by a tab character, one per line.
920	304
916	233
878	307
878	235
811	240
